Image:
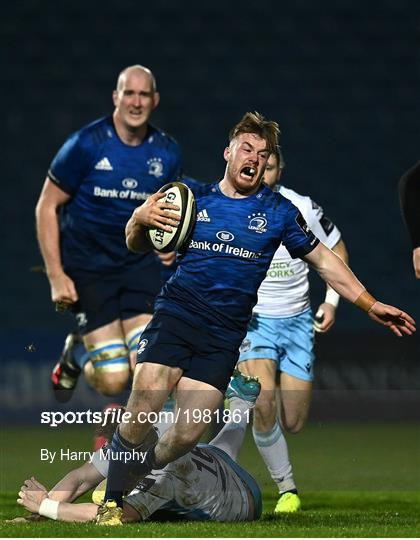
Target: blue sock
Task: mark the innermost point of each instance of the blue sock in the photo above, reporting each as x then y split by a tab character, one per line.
126	467
80	355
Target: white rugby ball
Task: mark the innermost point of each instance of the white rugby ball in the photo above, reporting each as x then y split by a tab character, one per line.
181	195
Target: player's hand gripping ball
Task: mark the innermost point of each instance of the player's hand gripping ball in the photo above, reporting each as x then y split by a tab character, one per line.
181	195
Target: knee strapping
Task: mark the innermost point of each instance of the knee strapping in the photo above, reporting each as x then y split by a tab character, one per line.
109	356
132	338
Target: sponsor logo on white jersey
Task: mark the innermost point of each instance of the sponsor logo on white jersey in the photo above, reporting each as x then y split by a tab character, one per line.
155	167
130	183
203	216
226	236
257	223
104	165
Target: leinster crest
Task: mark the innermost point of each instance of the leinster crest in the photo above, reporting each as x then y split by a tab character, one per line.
155	167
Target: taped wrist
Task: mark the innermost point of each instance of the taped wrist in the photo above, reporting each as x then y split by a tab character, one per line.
332	297
365	301
49	508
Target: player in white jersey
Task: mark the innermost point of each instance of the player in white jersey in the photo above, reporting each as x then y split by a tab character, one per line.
205	484
280	338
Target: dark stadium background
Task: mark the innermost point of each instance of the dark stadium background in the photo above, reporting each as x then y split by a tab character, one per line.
342	79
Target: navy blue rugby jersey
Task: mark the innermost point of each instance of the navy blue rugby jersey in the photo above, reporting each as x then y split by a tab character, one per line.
107	180
229	253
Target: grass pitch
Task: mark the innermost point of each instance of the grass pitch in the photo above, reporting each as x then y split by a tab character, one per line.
354	481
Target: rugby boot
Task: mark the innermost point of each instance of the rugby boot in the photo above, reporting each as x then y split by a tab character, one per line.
243	387
98	494
66	371
109	514
288	502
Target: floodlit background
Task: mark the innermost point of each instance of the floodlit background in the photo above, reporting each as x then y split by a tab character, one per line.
342	78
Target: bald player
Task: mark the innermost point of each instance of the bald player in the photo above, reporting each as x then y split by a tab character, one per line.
95	181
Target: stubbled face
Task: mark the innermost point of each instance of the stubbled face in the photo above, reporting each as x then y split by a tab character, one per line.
135	100
246	160
272	172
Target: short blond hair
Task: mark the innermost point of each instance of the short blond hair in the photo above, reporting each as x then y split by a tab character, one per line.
256	123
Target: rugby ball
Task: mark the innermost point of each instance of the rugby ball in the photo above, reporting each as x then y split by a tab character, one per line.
181	195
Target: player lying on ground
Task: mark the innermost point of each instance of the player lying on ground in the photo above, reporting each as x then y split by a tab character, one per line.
205	484
202	312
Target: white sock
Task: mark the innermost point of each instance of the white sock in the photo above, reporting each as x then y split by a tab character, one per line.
273	449
231	437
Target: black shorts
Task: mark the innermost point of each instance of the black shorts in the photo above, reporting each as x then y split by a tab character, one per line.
202	355
120	295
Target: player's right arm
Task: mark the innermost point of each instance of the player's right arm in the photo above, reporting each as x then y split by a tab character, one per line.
154	213
76	483
48	231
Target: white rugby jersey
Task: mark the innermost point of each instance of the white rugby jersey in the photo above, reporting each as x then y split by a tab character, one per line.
285	290
201	485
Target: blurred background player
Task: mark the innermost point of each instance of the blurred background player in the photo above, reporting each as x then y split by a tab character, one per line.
280	338
97	178
409	188
205	484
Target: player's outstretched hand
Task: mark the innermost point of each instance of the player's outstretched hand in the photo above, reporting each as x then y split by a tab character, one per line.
31	494
324	318
398	321
155	213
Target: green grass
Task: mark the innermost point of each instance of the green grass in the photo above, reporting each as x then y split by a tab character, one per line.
354	481
326	514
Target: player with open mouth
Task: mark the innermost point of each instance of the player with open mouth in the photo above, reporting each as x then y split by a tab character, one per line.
201	315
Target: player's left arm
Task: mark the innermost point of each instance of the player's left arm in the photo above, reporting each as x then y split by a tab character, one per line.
71	486
56	504
325	315
335	272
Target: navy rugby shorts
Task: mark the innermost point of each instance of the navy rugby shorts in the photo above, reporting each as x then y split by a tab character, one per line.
120	295
199	352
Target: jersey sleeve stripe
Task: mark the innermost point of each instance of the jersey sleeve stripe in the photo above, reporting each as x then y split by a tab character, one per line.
57	182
